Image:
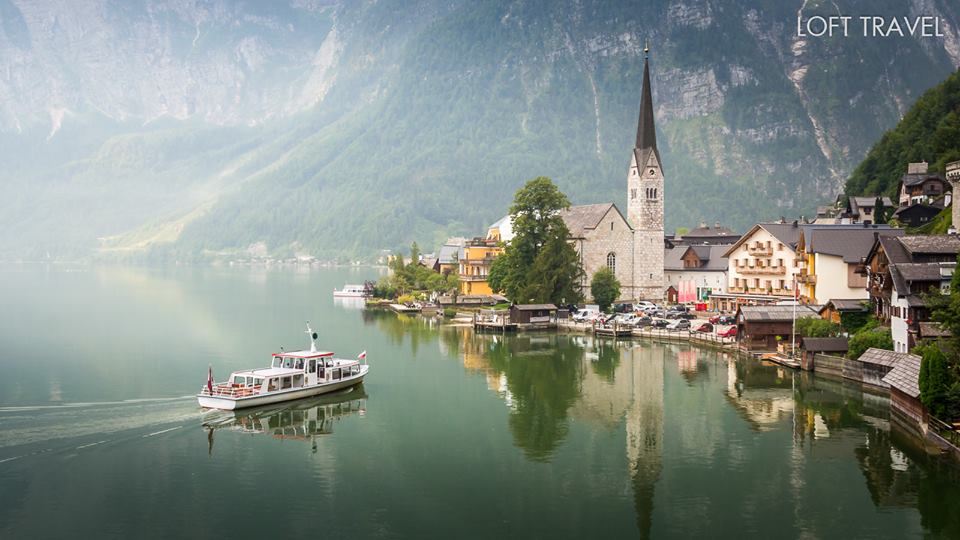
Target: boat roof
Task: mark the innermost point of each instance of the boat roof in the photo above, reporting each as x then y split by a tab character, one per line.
268	372
303	354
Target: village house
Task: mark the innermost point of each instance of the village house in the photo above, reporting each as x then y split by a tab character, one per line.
829	258
900	271
696	272
474	265
448	257
861	209
704	234
845	312
920	186
761	266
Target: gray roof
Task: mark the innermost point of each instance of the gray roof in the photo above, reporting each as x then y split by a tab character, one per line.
585	216
706	230
825	344
923	271
846	304
933	329
534	307
914	179
867	202
905	375
935	243
714	255
881	357
851	243
448	254
894	249
777	313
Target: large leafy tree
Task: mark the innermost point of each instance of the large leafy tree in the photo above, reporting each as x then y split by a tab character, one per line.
605	288
538	265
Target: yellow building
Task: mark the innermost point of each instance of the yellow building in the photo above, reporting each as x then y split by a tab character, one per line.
475	263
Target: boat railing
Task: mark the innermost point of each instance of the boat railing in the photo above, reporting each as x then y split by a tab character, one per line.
229	390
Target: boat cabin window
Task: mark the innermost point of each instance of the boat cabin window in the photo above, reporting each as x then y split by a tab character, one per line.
288	363
277	362
354	370
285	382
297	381
239	379
272	387
298	364
312	368
336	374
257	382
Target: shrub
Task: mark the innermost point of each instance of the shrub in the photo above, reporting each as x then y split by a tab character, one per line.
878	337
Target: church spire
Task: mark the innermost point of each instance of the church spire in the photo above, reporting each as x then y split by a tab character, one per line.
646	132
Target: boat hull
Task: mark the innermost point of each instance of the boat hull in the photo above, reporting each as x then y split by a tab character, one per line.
228	403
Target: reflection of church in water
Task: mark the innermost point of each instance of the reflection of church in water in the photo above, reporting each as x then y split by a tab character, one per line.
615	384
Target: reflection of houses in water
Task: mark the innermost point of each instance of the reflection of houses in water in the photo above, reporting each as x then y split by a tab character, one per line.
300	420
348	302
763	398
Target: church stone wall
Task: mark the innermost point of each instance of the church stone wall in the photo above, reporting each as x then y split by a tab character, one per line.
606	239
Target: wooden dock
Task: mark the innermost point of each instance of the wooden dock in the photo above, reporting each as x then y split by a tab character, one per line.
782	360
613	331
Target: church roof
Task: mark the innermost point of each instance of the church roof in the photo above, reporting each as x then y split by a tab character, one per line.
586	216
646	131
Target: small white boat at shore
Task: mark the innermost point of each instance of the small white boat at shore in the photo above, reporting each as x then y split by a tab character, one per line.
352	291
291	375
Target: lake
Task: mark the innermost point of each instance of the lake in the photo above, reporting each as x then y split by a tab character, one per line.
453	435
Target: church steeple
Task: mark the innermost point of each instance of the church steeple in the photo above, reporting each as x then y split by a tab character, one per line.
646	132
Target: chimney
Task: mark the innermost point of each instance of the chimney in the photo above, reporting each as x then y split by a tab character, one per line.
716	224
703	224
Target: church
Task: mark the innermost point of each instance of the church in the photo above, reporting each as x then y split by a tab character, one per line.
631	245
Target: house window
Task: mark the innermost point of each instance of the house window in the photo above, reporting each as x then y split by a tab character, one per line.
611	225
612	262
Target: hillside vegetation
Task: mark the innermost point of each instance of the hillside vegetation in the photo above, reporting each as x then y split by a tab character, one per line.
930	131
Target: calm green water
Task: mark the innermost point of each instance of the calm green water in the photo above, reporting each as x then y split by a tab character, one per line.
452	436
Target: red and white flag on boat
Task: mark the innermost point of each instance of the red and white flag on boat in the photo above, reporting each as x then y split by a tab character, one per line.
210	378
362	356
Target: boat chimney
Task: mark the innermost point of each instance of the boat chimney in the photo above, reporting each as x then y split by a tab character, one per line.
313	338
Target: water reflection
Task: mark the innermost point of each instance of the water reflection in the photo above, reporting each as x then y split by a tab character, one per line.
301	420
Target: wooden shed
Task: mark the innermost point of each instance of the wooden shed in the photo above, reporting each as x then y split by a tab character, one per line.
872	366
904	381
811	347
533	314
761	328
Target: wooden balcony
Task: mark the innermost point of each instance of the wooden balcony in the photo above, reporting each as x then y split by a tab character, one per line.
760	251
765	270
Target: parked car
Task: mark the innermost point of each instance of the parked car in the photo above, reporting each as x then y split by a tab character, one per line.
715	319
659	323
623	308
644	305
729	332
704	327
643	320
727	319
584	315
679	324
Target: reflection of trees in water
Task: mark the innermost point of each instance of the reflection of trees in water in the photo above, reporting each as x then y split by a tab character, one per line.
608	358
399	327
543	388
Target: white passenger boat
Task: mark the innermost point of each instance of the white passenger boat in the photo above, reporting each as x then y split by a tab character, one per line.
291	375
352	291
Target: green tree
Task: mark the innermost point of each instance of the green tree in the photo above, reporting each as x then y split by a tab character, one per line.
555	274
935	380
815	327
869	336
604	288
879	211
538	265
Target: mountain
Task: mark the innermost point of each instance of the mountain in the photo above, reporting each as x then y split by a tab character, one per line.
182	130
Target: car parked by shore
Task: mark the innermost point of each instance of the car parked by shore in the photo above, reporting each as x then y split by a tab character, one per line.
679	324
728	332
